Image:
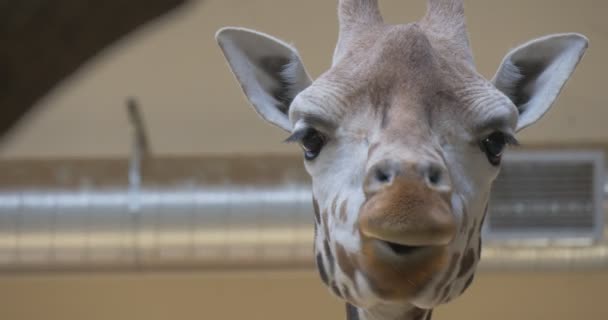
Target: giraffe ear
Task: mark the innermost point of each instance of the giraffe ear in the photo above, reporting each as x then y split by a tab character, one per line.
270	71
533	74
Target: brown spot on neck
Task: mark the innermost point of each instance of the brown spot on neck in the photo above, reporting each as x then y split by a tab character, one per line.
347	295
334	205
335	290
324	215
330	257
470	235
315	206
343	211
345	263
467	262
448	274
446	293
321	269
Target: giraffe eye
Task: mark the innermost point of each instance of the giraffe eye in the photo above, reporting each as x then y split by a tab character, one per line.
494	146
312	143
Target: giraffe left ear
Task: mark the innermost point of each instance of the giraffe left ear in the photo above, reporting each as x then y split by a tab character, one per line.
270	71
533	74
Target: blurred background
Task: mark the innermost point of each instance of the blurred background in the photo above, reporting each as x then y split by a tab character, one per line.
69	67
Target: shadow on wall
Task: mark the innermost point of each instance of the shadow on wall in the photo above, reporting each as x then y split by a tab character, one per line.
44	42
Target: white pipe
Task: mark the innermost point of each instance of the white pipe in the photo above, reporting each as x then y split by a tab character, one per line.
214	212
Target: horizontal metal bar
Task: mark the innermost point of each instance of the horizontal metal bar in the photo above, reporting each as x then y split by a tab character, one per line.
227	212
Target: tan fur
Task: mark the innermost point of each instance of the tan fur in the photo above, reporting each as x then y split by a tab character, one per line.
408	213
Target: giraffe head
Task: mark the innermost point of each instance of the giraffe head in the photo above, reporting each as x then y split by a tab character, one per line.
402	138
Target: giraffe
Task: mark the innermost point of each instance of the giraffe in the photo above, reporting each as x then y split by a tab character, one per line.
402	138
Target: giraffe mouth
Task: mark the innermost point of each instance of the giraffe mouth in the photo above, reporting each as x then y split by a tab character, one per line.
401	249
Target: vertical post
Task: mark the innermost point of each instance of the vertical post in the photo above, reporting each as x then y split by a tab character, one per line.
140	150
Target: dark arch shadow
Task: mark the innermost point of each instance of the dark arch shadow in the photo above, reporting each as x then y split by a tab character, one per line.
42	42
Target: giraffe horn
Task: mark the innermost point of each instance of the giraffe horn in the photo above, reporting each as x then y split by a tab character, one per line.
445	20
355	16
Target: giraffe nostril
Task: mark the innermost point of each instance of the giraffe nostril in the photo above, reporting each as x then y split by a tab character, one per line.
434	175
382	176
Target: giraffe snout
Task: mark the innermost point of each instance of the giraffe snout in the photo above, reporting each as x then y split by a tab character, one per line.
408	205
382	175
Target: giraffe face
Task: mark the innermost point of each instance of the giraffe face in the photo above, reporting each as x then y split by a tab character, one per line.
402	148
402	139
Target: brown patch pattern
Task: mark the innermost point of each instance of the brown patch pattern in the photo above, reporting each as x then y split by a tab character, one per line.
335	290
324	215
448	274
329	256
343	211
467	262
344	262
321	269
471	233
347	296
334	205
465	221
446	293
315	206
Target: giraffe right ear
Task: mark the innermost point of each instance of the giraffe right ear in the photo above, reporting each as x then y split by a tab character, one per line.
270	71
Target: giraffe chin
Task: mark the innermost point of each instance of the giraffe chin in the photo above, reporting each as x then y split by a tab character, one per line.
398	276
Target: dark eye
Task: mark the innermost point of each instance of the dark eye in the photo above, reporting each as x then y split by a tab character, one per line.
312	143
494	146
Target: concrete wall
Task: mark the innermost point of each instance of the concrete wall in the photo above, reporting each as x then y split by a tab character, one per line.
193	105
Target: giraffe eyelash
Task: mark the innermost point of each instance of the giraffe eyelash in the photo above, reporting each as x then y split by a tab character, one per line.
511	140
298	135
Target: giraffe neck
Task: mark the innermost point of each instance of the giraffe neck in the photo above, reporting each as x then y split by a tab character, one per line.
388	313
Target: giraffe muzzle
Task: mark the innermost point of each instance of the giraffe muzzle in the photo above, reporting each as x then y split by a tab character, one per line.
408	216
405	231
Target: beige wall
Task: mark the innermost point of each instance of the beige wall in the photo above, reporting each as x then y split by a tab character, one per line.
193	105
282	295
